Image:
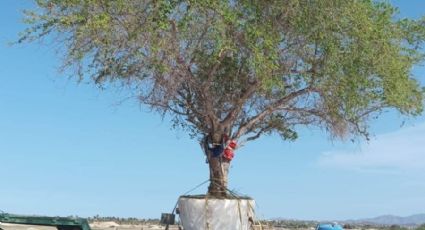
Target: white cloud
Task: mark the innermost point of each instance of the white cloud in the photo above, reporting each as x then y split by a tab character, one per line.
402	151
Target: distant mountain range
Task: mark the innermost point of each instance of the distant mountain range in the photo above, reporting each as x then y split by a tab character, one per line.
413	220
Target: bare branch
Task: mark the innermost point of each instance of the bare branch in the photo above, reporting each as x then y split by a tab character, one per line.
269	110
239	104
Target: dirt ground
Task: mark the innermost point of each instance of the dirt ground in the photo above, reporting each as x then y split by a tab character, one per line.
103	226
94	227
107	226
110	226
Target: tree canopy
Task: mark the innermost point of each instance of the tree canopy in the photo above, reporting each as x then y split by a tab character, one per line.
244	67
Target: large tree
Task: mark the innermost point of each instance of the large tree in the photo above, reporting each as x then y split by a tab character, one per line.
238	69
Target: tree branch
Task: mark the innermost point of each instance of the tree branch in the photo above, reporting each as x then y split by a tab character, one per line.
231	116
244	128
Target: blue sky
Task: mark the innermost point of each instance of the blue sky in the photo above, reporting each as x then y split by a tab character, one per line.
73	149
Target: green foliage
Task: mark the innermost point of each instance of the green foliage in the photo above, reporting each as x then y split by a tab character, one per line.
421	227
245	66
397	227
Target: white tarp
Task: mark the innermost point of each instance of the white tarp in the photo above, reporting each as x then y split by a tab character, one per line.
216	214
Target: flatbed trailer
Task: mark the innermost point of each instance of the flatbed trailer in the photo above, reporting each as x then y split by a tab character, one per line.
61	223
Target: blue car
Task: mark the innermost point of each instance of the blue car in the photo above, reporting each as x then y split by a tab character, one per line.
329	226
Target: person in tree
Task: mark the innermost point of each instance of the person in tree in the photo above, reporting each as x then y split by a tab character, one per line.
228	155
224	151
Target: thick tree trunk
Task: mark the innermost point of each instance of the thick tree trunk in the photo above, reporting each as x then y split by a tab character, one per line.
218	171
218	177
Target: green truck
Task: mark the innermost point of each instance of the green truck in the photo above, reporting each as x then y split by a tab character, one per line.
61	223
